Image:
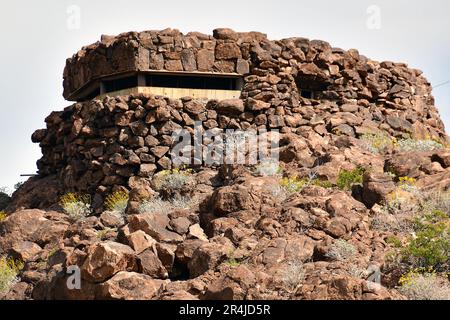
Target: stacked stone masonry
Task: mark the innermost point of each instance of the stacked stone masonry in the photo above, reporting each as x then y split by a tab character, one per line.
295	85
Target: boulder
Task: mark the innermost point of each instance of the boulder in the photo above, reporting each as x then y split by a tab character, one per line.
209	255
233	286
196	232
227	51
231	107
129	286
180	225
230	199
111	219
106	259
140	241
205	60
376	188
225	34
186	249
155	225
25	250
151	265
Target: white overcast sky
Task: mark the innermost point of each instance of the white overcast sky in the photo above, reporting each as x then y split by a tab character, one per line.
38	36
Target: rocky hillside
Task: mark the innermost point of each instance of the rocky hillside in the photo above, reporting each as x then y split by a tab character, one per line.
357	208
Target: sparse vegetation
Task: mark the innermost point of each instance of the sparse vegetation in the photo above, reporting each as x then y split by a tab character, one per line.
52	252
294	184
76	206
411	145
322	183
377	143
408	184
357	272
293	274
425	216
395	223
158	205
341	250
18	185
347	179
430	246
394	241
102	234
268	169
400	202
436	200
117	202
172	180
424	286
232	262
407	203
9	269
277	191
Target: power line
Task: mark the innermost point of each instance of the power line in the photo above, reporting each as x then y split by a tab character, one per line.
441	84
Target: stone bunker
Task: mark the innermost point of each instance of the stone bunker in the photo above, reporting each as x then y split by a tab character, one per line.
133	90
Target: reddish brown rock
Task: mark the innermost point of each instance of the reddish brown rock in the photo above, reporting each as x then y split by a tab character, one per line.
227	51
130	286
151	265
230	107
232	199
106	259
209	255
25	250
140	241
205	60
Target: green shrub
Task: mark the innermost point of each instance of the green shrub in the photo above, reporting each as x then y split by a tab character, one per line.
322	183
347	179
293	184
430	247
394	241
117	202
3	216
18	185
232	262
9	269
102	234
76	206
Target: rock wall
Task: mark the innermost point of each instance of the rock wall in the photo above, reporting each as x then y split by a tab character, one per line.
273	70
95	145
